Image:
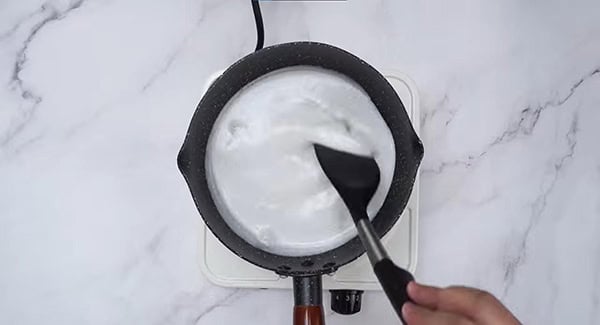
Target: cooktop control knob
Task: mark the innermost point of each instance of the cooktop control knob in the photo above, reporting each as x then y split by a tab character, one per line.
346	302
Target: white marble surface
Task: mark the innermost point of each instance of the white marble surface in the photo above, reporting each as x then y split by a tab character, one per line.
97	225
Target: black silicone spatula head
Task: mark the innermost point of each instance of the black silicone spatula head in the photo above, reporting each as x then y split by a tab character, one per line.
354	177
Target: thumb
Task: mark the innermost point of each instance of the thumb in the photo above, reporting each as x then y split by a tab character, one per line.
418	315
475	304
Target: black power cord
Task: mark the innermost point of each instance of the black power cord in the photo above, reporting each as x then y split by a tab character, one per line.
260	30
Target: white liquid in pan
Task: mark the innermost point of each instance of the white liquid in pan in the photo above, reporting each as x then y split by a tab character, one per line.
262	169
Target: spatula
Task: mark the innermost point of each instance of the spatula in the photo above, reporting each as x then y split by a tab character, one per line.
356	179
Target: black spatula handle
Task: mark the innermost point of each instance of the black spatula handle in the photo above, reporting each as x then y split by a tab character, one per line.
394	281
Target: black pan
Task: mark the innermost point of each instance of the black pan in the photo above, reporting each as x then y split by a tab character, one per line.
306	270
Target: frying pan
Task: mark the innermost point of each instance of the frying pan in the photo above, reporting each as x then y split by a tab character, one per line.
305	270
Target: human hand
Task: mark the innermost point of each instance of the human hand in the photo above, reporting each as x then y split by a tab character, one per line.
454	306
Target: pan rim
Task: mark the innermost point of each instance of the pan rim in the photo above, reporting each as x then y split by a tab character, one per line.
192	156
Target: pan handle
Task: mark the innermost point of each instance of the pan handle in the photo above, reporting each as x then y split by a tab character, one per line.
308	300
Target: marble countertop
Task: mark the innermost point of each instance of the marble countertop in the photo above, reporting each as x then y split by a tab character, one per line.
98	227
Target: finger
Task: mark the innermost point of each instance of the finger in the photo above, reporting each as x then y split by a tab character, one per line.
480	305
485	306
476	304
424	295
417	315
454	299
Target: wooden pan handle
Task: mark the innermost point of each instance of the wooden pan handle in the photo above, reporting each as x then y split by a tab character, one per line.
308	301
309	315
